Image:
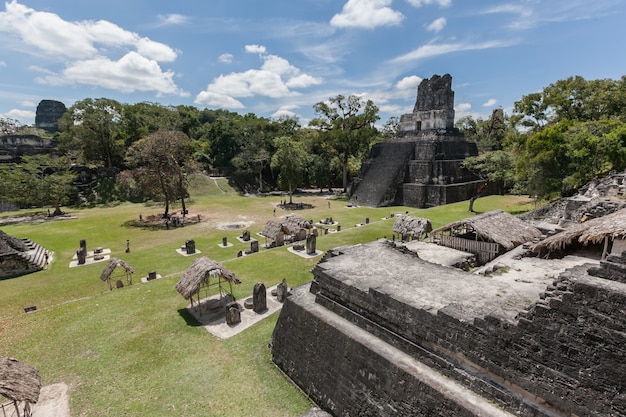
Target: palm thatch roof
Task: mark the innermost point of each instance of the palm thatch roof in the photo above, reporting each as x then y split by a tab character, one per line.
113	263
496	226
412	226
294	224
593	231
273	228
19	381
199	274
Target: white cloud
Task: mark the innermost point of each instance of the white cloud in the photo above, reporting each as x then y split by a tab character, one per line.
131	73
490	103
462	109
225	58
407	87
367	14
286	111
430	50
100	52
24	116
155	50
255	49
275	79
173	19
420	3
525	17
210	98
27	103
3	64
437	25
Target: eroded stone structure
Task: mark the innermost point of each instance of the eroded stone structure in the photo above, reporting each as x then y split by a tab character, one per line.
48	114
380	332
422	165
20	256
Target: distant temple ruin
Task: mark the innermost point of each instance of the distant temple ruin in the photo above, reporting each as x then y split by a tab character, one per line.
48	114
422	165
14	146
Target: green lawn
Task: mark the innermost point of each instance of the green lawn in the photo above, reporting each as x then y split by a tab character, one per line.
134	351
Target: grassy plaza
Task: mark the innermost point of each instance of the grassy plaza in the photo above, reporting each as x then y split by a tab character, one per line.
135	351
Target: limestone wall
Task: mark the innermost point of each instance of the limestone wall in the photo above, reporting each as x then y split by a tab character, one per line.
564	356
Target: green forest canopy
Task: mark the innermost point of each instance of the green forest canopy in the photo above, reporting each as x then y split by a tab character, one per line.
554	141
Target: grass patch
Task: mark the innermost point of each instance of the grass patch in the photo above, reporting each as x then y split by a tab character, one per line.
134	351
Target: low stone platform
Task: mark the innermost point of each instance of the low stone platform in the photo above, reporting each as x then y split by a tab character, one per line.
380	332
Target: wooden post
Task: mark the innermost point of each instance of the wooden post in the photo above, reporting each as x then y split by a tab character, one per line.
606	248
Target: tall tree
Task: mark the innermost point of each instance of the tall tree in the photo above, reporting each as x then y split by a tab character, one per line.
254	156
160	162
92	128
348	125
38	180
291	159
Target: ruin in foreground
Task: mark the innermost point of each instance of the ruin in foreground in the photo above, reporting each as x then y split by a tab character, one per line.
380	332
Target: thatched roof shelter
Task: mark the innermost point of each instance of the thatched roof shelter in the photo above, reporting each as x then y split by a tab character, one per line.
411	226
198	276
273	229
606	228
496	226
19	381
114	263
294	224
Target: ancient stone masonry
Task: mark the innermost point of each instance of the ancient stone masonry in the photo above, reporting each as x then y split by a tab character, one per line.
12	147
422	165
48	114
380	332
20	256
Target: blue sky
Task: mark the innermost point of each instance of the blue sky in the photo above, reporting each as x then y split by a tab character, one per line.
280	57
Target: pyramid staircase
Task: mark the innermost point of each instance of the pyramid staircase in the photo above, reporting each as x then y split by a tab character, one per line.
383	174
20	257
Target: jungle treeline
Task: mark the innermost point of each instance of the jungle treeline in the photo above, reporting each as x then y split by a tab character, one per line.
552	142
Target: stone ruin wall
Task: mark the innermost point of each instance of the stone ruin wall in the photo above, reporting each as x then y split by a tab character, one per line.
48	114
568	350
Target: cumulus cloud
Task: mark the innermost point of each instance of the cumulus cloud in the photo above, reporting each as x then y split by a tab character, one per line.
24	116
407	87
286	111
367	14
490	103
437	25
226	58
255	49
420	3
133	72
98	53
275	79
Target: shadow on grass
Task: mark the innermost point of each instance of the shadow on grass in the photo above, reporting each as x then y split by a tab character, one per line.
188	317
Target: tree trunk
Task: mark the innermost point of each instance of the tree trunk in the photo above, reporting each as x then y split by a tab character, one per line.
477	195
345	174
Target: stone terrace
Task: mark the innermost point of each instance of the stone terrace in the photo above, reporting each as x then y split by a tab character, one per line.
383	333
